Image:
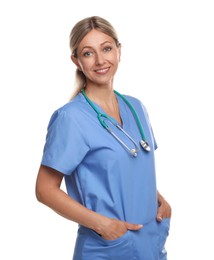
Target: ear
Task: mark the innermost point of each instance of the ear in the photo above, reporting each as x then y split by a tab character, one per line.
75	61
119	49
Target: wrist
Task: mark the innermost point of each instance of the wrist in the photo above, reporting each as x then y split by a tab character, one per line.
99	223
160	199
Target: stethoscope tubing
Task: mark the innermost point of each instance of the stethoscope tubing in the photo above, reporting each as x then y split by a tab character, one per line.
133	151
100	117
135	114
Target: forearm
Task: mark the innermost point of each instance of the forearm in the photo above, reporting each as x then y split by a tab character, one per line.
70	209
160	197
164	209
48	192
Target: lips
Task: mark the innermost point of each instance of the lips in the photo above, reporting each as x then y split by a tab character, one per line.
102	71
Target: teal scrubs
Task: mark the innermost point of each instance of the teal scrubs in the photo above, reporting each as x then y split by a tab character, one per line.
104	177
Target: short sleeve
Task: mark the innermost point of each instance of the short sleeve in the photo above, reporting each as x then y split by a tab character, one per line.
66	145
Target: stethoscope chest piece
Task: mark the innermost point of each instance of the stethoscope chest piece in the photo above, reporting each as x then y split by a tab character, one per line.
145	145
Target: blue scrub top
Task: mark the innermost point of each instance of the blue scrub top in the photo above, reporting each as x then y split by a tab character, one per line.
99	173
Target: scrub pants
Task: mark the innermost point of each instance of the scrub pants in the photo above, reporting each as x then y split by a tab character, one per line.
145	244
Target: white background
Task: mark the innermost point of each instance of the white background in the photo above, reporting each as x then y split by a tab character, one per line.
167	62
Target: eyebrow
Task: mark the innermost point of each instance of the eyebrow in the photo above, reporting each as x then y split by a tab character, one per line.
90	47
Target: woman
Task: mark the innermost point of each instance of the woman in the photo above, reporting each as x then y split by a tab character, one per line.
92	142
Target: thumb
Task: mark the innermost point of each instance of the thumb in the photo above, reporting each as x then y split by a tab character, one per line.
130	226
159	216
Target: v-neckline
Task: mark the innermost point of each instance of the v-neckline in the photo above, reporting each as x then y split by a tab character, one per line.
123	112
120	107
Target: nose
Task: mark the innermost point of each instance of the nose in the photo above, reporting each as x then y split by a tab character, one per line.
99	59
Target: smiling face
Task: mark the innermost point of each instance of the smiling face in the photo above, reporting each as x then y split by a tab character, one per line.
98	57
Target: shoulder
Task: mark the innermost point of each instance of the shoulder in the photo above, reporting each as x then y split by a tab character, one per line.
73	107
131	98
137	103
71	111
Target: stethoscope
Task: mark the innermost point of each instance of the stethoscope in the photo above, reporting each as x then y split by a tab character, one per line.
101	117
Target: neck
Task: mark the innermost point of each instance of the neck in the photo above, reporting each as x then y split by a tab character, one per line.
101	96
106	99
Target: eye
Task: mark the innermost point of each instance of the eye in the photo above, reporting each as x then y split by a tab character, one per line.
107	49
87	54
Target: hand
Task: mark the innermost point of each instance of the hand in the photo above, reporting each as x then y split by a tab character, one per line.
164	209
114	229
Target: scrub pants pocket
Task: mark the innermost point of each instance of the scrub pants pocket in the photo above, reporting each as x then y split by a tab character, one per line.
163	227
89	245
150	241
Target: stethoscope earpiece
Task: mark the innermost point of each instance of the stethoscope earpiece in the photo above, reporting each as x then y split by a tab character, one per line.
133	152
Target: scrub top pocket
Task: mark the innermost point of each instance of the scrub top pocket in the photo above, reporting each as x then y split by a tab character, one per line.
90	245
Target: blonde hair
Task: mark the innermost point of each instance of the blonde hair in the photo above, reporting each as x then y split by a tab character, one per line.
78	32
